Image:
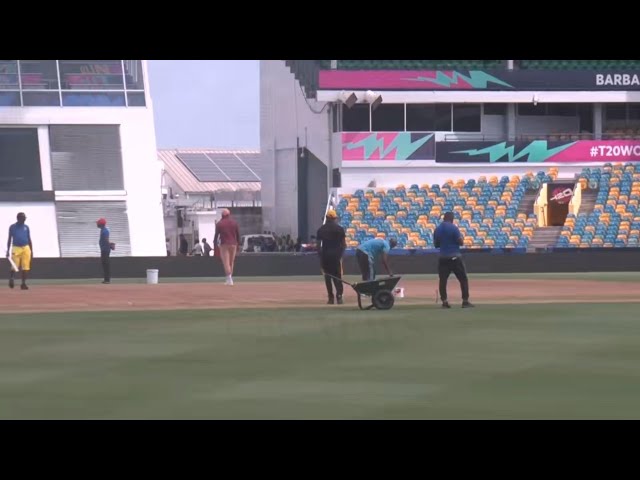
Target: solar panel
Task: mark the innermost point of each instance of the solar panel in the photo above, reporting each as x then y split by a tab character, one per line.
252	160
233	168
202	167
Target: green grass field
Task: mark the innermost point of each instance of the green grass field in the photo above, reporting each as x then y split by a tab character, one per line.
496	361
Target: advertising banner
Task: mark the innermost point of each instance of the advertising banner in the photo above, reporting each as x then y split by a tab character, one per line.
560	193
390	146
513	80
539	151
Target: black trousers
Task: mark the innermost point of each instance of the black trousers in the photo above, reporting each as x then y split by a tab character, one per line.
331	263
455	265
106	264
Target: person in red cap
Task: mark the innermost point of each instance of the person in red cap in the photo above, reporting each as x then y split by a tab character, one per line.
105	249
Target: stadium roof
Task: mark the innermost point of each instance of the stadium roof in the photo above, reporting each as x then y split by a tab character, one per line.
210	170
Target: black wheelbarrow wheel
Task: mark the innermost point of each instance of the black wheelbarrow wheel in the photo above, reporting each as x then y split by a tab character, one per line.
383	299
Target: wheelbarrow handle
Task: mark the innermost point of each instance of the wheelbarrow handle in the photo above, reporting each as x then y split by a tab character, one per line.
340	280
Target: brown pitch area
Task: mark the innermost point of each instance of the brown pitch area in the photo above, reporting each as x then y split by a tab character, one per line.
283	293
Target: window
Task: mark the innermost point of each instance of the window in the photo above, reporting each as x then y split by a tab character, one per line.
529	109
39	74
495	108
562	109
133	74
136	99
356	118
634	111
9	99
466	117
585	112
91	74
421	118
428	117
93	99
616	111
20	160
443	117
9	75
94	83
41	99
388	118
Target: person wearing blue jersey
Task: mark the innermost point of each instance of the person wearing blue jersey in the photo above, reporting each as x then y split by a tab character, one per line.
105	249
20	249
448	239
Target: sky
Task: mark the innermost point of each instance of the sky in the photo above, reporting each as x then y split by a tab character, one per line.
206	103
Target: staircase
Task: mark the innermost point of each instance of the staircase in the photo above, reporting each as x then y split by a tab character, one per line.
544	237
526	204
588	201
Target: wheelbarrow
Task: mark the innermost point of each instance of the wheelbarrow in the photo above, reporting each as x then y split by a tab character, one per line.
380	291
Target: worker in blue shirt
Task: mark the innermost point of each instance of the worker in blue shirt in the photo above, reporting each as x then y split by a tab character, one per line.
368	253
448	239
105	249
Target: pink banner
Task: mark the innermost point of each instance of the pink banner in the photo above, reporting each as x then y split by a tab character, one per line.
392	79
599	151
388	146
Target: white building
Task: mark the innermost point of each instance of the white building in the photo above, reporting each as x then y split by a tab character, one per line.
199	183
77	143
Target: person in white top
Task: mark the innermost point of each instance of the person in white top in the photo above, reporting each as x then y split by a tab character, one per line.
197	250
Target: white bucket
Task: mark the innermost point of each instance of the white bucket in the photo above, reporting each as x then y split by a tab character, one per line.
152	277
398	292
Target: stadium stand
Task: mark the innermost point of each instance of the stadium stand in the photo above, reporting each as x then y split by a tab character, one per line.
481	64
614	219
579	64
487	211
417	64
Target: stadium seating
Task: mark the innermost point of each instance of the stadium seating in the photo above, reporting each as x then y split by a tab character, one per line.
579	64
486	212
615	220
628	133
417	64
482	64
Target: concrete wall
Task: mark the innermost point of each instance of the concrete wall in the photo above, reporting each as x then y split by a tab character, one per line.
41	219
286	122
249	219
251	265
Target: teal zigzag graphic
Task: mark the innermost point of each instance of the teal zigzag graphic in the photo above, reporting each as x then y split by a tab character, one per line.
476	78
537	151
402	141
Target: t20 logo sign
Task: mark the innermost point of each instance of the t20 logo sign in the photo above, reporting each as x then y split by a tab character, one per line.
561	195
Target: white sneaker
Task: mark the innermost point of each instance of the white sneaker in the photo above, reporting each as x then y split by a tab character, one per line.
230	282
